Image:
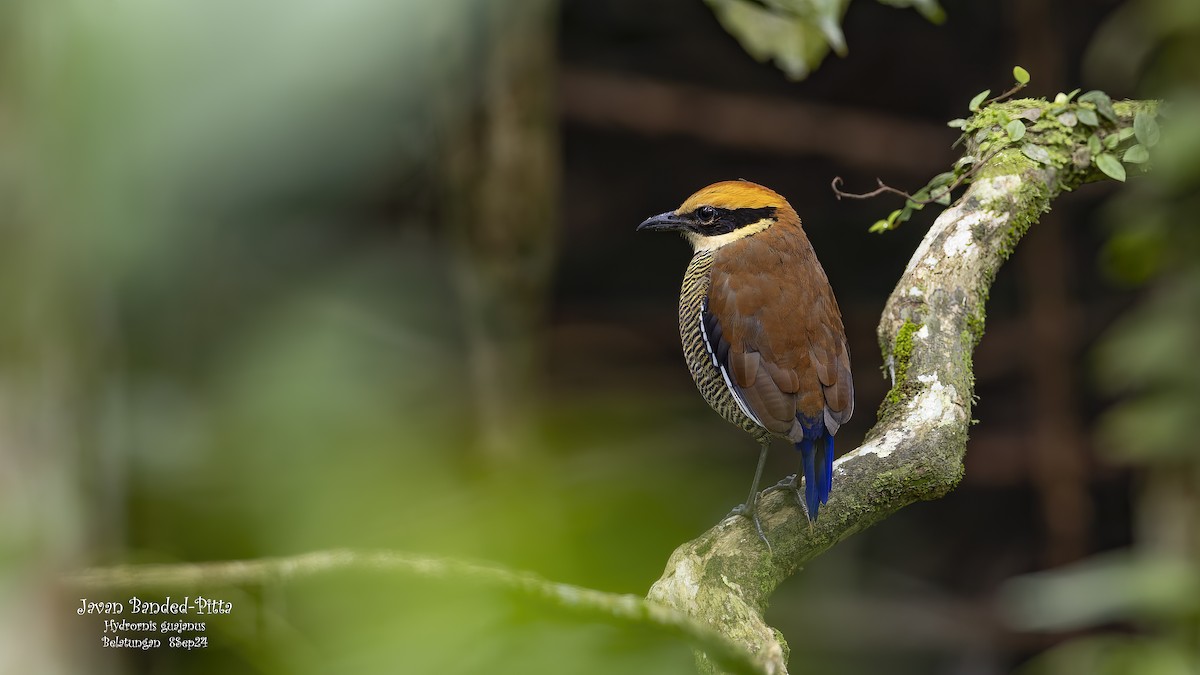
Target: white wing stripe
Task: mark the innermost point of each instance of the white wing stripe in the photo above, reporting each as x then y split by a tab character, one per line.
704	334
737	395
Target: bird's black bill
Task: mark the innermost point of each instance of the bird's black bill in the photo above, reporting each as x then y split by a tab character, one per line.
664	221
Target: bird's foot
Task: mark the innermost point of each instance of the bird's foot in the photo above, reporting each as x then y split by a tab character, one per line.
788	483
751	512
792	484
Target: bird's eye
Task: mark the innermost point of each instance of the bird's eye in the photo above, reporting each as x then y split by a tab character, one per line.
706	214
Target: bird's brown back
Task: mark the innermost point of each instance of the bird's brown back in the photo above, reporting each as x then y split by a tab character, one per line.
782	330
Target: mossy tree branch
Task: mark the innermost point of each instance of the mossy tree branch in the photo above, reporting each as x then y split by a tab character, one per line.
930	326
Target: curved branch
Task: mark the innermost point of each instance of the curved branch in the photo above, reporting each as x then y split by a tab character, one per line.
929	328
610	607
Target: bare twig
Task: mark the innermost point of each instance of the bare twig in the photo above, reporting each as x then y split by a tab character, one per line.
837	181
996	99
883	187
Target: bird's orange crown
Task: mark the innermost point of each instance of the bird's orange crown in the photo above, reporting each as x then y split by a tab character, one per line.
734	194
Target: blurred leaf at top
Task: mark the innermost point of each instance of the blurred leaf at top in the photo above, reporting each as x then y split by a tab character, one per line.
930	9
797	34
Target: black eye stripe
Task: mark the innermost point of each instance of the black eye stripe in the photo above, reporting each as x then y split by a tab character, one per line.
723	221
743	217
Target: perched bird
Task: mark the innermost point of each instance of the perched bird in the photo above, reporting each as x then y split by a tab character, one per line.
761	330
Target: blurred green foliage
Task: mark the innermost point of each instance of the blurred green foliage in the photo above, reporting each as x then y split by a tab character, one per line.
231	330
1147	362
1111	587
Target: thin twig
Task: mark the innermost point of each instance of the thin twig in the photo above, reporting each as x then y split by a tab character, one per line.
1018	87
883	187
837	192
958	182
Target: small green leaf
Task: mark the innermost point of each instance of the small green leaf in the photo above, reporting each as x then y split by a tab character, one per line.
1088	117
1146	129
1125	133
1068	119
1094	146
1102	102
916	202
943	178
898	216
1060	98
979	98
1016	130
1111	167
1036	152
983	147
963	161
1071	94
957	123
879	227
1137	154
942	196
1020	75
1111	141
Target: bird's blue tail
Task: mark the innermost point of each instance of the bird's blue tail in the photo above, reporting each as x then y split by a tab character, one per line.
817	454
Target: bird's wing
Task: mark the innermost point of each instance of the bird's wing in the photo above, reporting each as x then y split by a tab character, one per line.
830	360
776	333
746	377
766	391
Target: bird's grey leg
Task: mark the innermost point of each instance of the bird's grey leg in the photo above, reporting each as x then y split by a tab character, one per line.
750	508
752	499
